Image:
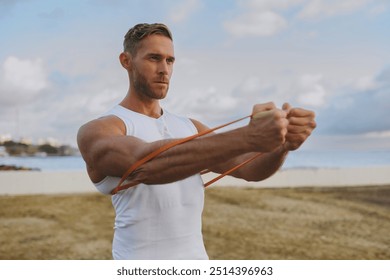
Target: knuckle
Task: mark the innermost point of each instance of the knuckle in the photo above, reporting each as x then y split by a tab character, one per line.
279	115
292	119
294	147
293	111
272	104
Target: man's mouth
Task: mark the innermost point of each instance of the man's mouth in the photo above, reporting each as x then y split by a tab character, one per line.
162	82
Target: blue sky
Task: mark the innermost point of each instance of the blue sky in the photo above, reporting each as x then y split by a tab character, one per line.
59	63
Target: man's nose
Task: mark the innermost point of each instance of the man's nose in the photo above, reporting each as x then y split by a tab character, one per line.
163	68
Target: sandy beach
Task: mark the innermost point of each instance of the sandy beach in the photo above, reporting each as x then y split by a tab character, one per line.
297	214
69	182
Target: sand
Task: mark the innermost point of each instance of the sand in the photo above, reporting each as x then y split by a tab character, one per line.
70	182
238	223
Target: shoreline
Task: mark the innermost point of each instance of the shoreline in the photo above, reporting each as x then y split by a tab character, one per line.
315	177
44	182
69	182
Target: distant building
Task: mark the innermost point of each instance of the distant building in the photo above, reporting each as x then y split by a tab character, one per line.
25	147
50	141
3	152
5	138
25	140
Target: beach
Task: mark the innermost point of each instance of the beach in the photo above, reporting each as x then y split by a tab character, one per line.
68	182
296	214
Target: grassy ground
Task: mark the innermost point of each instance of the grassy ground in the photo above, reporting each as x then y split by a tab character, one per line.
299	223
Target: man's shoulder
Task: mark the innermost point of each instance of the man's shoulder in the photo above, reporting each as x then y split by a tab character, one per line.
103	123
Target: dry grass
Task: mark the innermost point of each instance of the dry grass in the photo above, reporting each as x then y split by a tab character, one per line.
315	223
56	227
307	223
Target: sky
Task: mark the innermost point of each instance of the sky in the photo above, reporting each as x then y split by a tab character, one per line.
59	64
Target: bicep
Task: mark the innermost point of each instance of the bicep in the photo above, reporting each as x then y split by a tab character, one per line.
103	144
93	135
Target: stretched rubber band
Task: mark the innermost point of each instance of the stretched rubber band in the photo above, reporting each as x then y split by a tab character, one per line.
166	147
231	170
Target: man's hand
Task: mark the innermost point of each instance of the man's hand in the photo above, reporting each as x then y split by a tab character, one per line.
301	124
267	129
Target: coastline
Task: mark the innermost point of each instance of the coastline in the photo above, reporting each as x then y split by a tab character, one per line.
315	177
68	182
44	182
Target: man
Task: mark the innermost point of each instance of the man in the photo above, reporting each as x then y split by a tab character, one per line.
160	218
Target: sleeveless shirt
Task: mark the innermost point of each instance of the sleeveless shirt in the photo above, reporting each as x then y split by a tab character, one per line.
157	221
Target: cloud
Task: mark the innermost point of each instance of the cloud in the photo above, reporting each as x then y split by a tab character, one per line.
379	8
73	78
307	90
378	134
183	11
205	104
7	5
55	14
270	4
358	112
22	80
312	91
366	83
37	101
258	19
341	108
259	23
316	9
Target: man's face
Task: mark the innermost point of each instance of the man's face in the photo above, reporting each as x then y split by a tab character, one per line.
152	67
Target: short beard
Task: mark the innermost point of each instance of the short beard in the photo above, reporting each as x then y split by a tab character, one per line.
142	87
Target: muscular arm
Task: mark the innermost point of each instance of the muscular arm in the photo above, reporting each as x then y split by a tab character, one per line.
301	123
259	169
109	152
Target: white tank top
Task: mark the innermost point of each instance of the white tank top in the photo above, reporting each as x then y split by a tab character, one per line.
157	221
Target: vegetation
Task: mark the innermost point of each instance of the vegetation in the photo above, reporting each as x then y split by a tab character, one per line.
238	223
22	149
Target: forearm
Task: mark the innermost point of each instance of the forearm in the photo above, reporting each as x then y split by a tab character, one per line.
190	158
263	167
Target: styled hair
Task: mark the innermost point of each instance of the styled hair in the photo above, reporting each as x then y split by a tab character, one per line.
140	31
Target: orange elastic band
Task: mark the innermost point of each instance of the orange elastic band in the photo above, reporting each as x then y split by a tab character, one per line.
166	147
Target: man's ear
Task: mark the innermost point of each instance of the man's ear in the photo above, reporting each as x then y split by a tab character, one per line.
125	60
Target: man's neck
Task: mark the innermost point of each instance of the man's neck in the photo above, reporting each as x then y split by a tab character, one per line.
148	107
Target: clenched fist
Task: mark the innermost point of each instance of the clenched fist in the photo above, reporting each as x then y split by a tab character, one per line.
301	123
268	127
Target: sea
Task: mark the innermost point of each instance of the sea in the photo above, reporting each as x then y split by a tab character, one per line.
295	160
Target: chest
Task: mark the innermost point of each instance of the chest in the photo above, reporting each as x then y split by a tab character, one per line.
157	129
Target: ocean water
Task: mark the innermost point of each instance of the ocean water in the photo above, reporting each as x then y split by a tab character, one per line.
297	159
50	163
337	159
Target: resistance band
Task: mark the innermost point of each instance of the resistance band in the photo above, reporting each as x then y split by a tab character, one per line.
166	147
